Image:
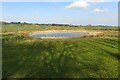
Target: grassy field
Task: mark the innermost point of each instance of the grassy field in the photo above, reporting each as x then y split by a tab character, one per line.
25	27
83	57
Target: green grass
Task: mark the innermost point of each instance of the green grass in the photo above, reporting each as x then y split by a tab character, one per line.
19	27
84	57
79	57
33	27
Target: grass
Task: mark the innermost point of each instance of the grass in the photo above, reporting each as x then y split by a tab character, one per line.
85	57
33	27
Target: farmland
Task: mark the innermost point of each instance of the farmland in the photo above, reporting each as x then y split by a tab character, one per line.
94	56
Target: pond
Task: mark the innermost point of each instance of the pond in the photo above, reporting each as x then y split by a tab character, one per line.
59	34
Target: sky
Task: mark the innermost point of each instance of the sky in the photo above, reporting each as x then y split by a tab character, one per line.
57	0
76	12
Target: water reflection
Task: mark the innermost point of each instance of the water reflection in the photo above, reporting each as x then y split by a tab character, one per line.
60	34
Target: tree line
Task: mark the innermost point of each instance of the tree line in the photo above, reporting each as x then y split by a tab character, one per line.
52	24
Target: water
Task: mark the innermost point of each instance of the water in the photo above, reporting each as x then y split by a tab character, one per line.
60	34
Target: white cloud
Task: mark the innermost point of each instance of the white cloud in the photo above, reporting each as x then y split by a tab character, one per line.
100	10
78	4
95	0
82	4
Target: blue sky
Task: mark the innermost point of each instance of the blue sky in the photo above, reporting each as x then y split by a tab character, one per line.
55	0
105	13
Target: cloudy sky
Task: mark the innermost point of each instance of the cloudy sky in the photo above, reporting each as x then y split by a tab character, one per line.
79	12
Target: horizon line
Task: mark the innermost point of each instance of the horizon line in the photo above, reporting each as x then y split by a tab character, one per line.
59	23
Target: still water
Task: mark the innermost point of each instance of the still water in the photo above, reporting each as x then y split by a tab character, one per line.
60	34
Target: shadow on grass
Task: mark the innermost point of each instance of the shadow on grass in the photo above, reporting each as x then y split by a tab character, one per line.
40	60
115	55
50	59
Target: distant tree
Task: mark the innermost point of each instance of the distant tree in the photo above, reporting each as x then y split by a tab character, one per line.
24	23
18	22
53	24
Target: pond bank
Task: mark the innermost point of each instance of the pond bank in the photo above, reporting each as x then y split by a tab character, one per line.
26	33
90	32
